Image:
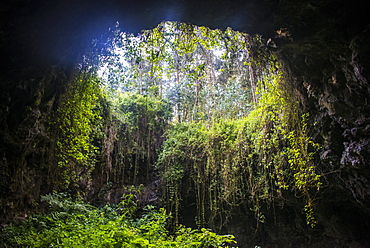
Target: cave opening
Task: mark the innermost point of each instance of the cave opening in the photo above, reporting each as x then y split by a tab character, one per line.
184	106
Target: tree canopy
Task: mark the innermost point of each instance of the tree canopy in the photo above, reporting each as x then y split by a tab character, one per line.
202	72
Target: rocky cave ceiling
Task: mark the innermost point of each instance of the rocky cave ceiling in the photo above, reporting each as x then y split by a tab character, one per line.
49	32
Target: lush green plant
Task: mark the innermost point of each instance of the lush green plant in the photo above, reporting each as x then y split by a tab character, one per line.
78	121
76	224
232	162
134	135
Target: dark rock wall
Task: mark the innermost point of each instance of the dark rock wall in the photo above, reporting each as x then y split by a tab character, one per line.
326	54
27	148
329	66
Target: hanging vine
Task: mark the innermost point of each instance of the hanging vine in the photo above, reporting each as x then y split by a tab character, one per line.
238	136
136	129
254	160
79	123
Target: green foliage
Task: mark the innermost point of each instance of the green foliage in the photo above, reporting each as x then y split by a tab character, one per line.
76	224
200	71
136	130
255	159
78	122
138	110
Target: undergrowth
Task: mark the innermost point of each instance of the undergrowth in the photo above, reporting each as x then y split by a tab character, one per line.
73	223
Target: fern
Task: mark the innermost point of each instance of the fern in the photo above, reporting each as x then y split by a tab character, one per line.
77	224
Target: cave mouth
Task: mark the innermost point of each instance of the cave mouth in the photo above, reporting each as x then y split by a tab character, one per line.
190	100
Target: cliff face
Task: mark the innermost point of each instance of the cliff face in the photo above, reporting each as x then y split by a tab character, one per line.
340	104
324	47
329	61
331	66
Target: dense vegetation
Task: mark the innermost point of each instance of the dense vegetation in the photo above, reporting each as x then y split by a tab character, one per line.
78	123
237	136
248	161
73	223
209	112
